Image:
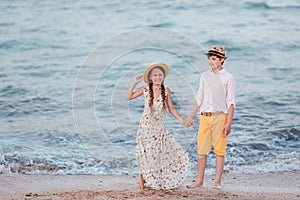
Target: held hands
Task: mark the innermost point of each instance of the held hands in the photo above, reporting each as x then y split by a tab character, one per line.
188	122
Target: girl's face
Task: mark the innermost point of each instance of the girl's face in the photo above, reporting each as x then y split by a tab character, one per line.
157	76
215	62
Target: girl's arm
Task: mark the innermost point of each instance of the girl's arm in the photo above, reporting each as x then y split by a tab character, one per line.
171	107
189	120
131	94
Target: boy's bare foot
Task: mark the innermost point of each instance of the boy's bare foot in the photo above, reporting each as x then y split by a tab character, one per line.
216	186
194	185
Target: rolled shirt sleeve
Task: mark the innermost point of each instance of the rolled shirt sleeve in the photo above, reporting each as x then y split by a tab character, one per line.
230	96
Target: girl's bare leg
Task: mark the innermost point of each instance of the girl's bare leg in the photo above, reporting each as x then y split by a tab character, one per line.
142	182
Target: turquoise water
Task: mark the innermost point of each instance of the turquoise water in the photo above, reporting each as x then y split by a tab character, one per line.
47	48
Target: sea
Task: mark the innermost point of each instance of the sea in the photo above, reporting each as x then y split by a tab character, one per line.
66	66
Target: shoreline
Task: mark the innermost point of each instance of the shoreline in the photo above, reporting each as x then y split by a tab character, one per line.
279	185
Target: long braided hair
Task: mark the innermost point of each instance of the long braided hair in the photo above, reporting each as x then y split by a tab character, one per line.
163	93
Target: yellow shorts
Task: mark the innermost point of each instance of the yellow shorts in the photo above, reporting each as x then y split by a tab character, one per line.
211	132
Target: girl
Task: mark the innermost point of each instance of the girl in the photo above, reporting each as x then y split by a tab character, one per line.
161	160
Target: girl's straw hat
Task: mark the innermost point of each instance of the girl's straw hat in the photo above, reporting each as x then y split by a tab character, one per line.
153	65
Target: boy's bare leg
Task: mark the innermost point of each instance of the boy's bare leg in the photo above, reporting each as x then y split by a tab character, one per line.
200	170
142	182
219	170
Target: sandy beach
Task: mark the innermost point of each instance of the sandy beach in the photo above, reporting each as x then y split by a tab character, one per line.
283	185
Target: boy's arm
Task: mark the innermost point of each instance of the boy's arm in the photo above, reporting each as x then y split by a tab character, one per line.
230	101
227	126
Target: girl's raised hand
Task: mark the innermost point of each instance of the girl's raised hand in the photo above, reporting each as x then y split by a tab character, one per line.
138	79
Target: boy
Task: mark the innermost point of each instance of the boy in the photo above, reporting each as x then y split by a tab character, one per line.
216	101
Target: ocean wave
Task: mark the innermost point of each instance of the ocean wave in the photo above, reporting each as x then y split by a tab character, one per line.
273	4
162	25
6	24
28	106
280	163
11	90
8	44
62	153
41	164
291	135
56	152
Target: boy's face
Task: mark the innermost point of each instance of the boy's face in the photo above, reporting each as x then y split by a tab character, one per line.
215	62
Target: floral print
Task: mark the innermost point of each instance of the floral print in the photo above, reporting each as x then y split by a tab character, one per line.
162	161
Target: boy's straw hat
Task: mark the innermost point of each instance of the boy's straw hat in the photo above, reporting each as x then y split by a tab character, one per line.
216	50
153	65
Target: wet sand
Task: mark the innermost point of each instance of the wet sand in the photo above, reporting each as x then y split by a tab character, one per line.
283	185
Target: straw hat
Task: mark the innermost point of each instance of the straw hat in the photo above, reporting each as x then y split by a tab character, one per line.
153	65
216	50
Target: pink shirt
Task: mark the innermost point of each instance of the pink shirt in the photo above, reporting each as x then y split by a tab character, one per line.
216	91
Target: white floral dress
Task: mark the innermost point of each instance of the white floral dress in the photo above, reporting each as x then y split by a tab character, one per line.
161	160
